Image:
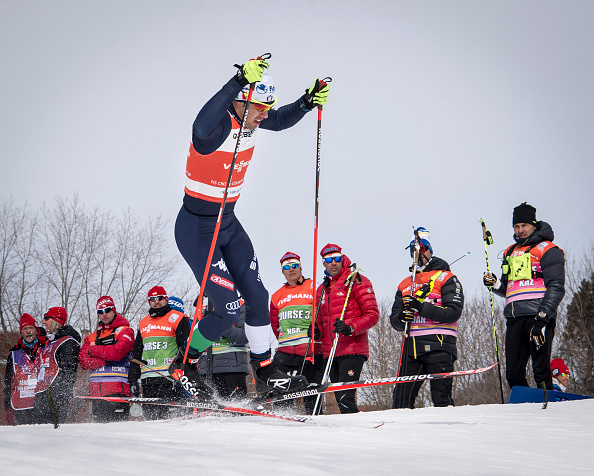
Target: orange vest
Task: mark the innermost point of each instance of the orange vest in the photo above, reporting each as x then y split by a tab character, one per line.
420	325
533	288
207	175
159	342
295	309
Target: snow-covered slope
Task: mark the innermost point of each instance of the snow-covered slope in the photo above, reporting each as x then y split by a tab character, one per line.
488	439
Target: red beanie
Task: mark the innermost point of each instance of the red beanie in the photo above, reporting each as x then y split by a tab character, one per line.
58	314
105	301
158	291
27	320
290	255
558	367
330	248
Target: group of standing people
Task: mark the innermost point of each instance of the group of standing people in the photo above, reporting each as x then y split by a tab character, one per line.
167	347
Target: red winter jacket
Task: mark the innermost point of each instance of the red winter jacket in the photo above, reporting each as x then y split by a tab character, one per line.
92	357
361	313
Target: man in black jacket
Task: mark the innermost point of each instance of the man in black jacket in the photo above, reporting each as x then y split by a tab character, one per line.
432	309
533	283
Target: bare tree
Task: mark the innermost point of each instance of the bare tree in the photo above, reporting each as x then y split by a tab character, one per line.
17	271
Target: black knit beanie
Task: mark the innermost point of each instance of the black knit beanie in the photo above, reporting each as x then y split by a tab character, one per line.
524	213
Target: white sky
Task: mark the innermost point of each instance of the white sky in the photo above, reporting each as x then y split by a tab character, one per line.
439	113
486	439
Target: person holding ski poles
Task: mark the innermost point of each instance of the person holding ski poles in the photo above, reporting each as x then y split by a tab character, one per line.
348	314
432	310
533	283
210	238
291	313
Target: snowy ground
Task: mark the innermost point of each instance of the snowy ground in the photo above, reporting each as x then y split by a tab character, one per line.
488	439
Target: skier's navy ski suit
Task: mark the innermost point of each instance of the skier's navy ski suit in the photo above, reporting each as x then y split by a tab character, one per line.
234	267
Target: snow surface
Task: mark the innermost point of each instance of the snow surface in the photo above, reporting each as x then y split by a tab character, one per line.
486	439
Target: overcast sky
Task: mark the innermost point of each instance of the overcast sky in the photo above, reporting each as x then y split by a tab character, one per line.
439	113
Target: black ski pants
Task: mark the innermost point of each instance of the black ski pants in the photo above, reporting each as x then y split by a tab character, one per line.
162	388
405	394
346	368
519	348
234	267
291	365
230	384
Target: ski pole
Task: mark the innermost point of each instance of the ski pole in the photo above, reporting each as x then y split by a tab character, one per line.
488	239
322	83
458	259
198	312
312	339
349	281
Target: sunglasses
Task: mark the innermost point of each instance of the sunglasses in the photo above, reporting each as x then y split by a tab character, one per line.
47	318
291	266
105	310
564	375
338	259
156	298
260	106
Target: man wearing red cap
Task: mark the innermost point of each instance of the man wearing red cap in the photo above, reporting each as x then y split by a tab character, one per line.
533	284
25	385
107	354
234	265
160	335
560	373
360	315
65	345
291	312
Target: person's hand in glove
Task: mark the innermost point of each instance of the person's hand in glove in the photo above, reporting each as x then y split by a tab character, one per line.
537	333
343	328
317	333
317	95
412	306
491	281
251	71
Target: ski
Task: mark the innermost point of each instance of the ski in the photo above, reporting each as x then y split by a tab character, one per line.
315	389
194	403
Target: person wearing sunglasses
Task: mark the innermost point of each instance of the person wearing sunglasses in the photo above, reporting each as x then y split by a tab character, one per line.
533	285
560	373
432	310
160	335
360	315
106	353
234	261
291	314
24	370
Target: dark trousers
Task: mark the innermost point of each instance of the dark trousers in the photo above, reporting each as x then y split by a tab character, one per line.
405	394
346	368
519	348
162	388
234	267
106	412
291	364
230	385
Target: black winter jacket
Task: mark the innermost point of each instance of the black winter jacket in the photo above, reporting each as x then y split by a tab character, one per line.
452	298
553	269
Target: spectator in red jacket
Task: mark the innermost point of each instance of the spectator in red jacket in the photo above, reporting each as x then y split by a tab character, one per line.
360	315
106	353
